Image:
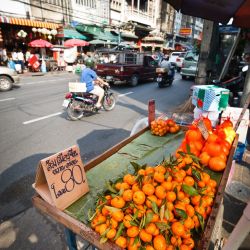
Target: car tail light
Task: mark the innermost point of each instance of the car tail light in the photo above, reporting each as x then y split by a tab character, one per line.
178	60
68	95
122	69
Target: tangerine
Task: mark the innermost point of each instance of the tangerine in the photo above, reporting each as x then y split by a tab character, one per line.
189	180
118	215
121	242
159	177
159	242
204	158
127	195
160	192
217	164
167	185
171	196
111	233
118	202
148	189
126	221
178	229
132	231
144	236
139	197
150	228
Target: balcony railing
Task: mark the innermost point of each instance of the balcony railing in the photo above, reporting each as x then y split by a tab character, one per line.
139	16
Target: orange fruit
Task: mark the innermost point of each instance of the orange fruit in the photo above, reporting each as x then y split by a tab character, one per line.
132	231
159	177
118	215
148	189
204	158
139	197
195	200
171	196
127	195
193	135
213	149
212	138
141	210
118	202
126	221
130	179
189	180
189	223
205	177
121	242
118	185
184	247
167	185
160	169
111	233
150	228
149	170
178	229
150	199
159	242
212	183
141	172
125	186
217	164
189	242
113	223
148	247
102	228
160	192
135	187
180	195
144	236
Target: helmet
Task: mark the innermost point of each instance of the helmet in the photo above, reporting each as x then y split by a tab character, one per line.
89	63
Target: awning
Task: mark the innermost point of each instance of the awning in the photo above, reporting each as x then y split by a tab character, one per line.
71	33
96	32
28	22
128	35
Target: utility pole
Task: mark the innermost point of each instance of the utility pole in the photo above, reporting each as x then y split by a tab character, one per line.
203	62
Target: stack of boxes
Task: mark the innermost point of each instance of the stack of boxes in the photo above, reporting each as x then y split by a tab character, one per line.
209	101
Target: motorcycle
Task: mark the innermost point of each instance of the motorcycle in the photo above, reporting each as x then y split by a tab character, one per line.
164	78
235	86
79	104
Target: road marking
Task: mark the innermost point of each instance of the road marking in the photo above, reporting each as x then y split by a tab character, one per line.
41	118
125	94
7	99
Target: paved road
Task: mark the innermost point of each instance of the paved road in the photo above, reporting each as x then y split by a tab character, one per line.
33	126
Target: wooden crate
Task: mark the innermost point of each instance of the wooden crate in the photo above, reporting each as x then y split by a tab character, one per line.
90	235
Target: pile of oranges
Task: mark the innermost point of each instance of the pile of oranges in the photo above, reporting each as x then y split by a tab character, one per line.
213	151
161	127
156	207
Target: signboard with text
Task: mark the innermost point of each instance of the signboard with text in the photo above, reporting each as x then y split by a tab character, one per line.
185	31
61	179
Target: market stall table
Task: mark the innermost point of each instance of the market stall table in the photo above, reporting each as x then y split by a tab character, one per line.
143	148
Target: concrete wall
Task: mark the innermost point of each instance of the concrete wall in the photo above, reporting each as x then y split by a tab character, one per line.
14	8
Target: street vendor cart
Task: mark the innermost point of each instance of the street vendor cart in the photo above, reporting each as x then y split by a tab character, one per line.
141	148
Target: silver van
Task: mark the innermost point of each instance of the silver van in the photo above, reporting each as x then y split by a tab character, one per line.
189	66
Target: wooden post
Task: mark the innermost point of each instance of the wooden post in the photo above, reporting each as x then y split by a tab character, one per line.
204	52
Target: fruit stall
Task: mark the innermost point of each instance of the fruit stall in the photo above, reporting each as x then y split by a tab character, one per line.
158	189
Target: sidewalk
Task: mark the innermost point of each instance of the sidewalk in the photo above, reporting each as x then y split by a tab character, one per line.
31	230
29	74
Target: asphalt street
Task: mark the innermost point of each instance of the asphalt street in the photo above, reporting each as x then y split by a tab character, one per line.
34	126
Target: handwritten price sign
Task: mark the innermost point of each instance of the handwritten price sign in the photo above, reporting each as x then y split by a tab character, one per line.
61	179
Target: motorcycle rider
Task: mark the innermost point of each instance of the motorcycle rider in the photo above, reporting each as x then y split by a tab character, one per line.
167	65
93	82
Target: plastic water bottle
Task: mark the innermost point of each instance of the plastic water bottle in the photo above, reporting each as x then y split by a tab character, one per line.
43	67
239	152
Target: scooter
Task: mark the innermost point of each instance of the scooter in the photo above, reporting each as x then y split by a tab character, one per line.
79	104
165	78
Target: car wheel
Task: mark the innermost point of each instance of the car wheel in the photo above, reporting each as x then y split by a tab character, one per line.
5	83
184	77
134	80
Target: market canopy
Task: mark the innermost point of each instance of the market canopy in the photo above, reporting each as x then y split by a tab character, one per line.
40	43
216	10
75	42
72	33
99	42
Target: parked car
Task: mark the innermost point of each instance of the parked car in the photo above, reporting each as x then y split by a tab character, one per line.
179	61
129	67
189	66
173	57
8	78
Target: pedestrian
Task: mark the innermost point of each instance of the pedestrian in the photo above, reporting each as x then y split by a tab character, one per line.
14	56
20	58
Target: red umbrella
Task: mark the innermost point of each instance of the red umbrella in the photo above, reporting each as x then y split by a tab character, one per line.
40	43
216	10
75	42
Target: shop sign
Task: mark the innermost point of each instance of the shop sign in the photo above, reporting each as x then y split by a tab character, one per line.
61	179
185	31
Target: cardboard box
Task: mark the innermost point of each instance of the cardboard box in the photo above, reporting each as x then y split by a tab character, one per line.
210	97
234	114
77	87
161	70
